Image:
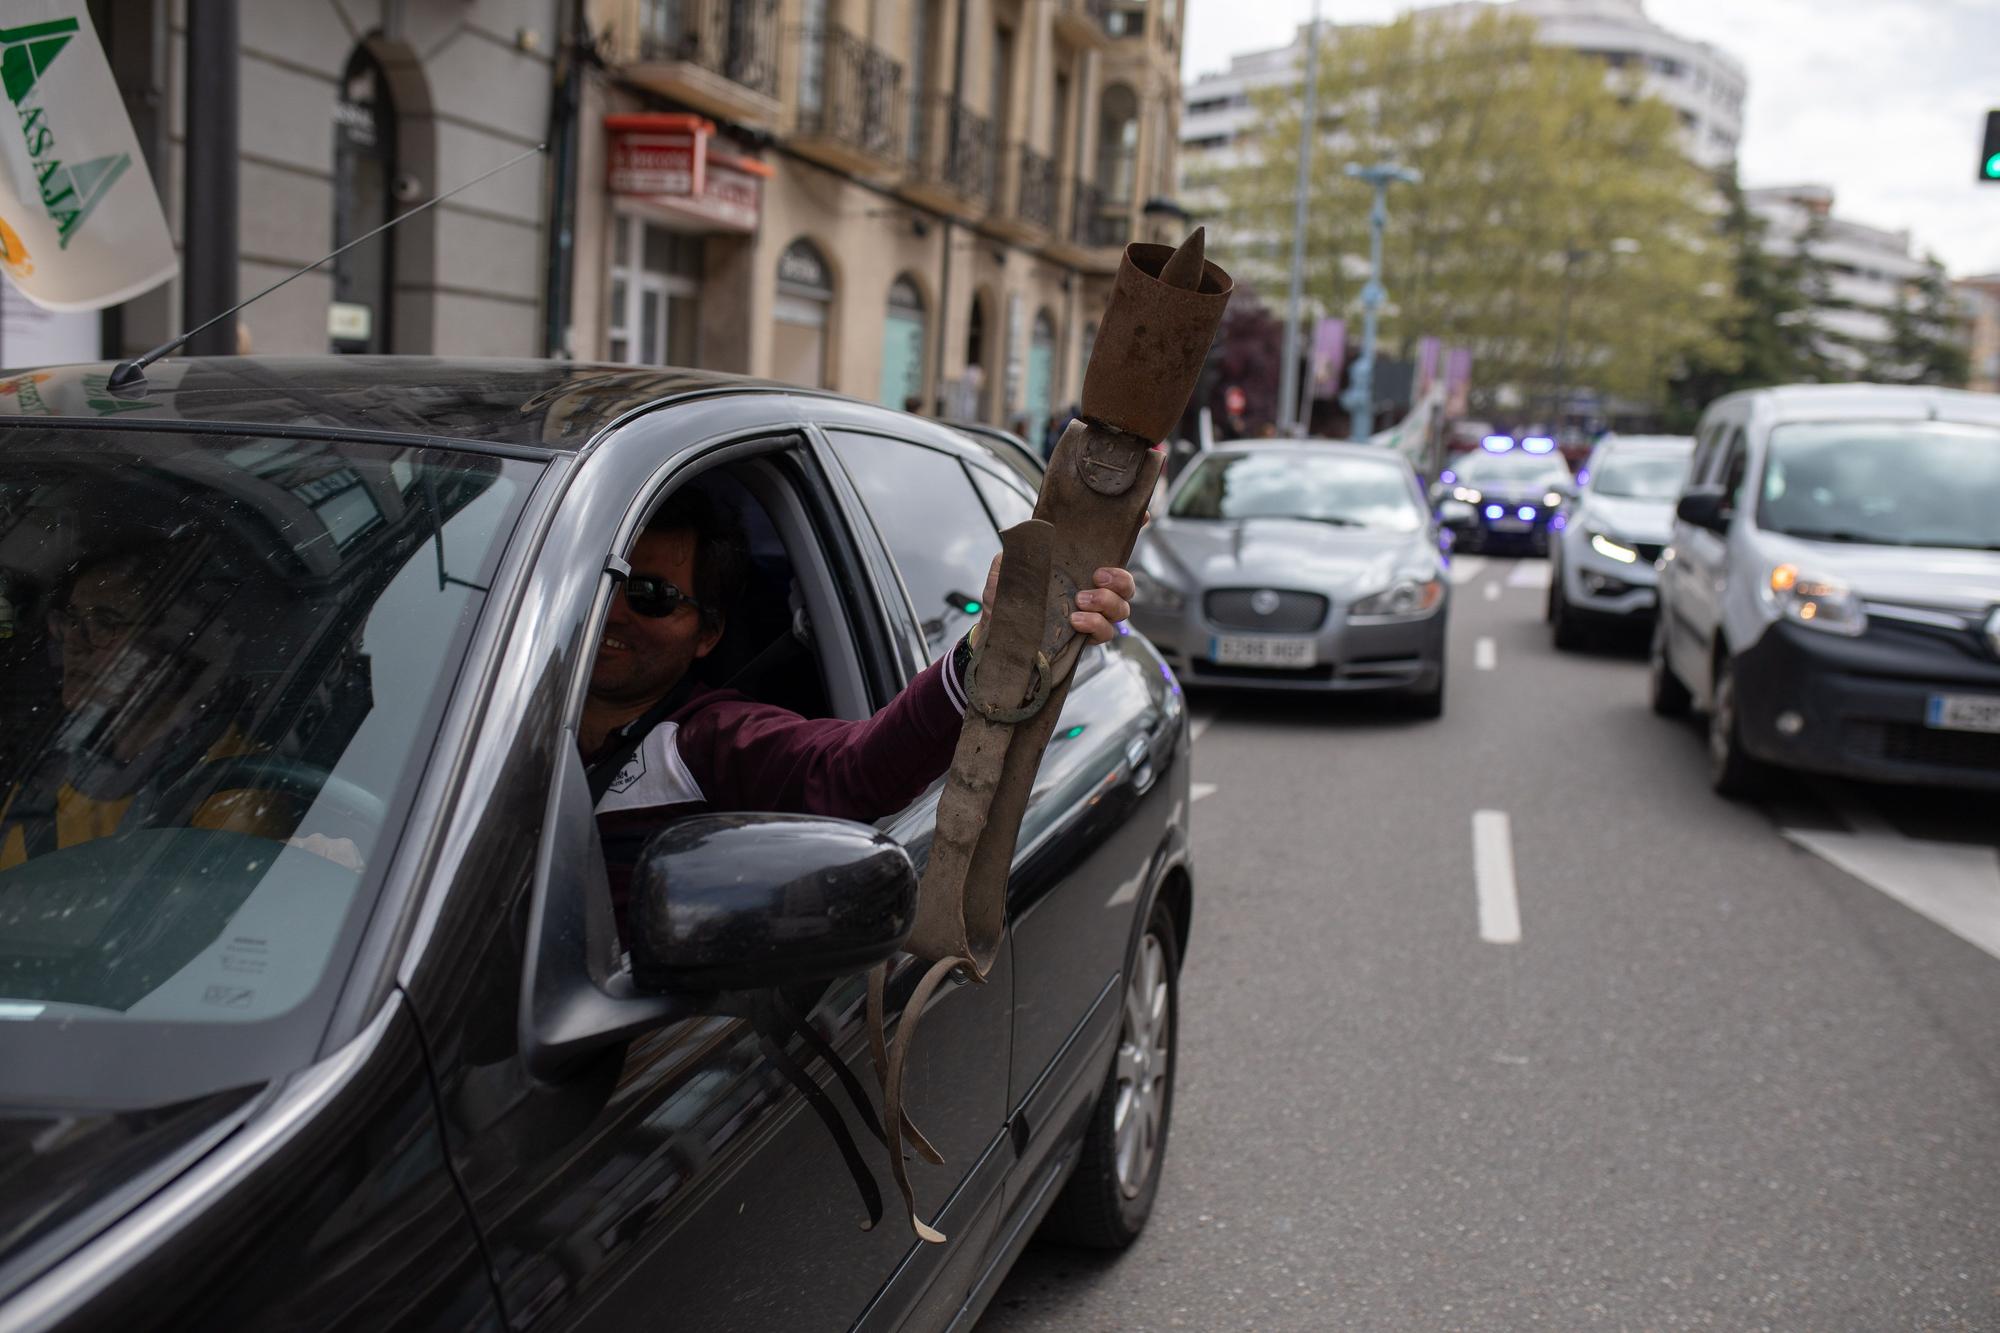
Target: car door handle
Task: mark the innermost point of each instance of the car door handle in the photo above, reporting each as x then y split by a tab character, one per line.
1139	760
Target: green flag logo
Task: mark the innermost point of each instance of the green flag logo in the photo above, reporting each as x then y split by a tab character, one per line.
29	51
69	190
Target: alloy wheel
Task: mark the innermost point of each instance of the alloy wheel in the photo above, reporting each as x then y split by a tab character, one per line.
1144	1062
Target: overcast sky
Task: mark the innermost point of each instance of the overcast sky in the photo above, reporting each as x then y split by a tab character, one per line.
1883	100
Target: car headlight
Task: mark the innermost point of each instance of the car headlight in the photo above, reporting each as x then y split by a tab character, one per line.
1154	593
1466	494
1611	548
1824	604
1405	599
1552	499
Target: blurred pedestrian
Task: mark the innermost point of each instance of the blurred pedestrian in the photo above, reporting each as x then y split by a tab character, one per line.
914	405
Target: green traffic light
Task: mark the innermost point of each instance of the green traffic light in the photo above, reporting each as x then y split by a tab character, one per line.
1993	167
972	608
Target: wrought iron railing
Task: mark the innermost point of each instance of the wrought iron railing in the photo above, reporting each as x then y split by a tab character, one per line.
1035	190
850	91
952	147
737	39
1094	221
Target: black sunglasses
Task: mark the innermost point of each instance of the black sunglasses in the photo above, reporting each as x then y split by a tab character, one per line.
655	598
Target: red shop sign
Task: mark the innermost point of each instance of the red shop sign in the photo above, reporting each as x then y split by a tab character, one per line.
669	161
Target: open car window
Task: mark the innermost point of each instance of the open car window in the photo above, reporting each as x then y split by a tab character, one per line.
222	662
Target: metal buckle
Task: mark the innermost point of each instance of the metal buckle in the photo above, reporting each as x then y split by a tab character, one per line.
997	715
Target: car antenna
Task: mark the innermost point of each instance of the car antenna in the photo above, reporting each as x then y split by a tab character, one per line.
131	374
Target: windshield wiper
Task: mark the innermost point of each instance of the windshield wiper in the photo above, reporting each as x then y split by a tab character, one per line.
1332	522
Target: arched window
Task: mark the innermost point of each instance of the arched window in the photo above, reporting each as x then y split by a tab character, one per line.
976	370
804	309
364	172
903	345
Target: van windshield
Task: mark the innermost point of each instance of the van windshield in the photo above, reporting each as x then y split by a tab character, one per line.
222	662
1903	483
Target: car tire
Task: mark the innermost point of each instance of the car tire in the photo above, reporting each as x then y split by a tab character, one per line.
1105	1204
1731	770
1670	698
1564	623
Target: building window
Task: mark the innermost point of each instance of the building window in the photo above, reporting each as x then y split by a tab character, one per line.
1041	376
903	346
654	314
1117	143
364	172
804	309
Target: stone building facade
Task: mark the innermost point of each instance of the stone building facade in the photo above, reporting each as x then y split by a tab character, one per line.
901	200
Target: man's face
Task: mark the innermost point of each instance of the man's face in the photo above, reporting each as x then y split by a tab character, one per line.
93	630
642	657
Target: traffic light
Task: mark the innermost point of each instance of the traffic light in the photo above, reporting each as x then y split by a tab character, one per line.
1989	155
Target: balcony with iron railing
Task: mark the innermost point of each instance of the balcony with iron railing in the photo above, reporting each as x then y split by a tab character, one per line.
716	56
1034	190
1096	229
953	161
851	104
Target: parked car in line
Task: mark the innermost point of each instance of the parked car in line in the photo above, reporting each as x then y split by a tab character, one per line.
1831	592
1298	566
1503	496
370	1052
1609	536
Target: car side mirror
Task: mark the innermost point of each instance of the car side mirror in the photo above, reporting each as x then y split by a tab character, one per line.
1705	507
738	902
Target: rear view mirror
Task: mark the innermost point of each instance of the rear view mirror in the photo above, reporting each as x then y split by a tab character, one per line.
1705	507
737	902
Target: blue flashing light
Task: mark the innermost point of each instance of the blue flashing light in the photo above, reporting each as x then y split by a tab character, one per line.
1497	444
1582	475
1539	444
1495	511
1447	476
1124	628
1559	522
1525	512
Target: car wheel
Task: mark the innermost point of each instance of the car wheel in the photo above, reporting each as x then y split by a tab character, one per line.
1109	1197
1731	771
1569	631
1670	696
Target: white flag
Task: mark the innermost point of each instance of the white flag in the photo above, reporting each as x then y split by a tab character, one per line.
80	225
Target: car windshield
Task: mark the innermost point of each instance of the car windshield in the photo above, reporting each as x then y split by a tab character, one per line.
222	662
1891	484
1512	466
1342	491
1641	476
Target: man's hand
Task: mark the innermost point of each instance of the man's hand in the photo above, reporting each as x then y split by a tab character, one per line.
1098	609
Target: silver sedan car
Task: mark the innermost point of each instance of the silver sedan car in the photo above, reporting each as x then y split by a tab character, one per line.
1612	534
1298	566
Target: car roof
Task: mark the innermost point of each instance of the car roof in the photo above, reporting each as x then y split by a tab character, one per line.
549	405
1799	402
1337	448
1661	444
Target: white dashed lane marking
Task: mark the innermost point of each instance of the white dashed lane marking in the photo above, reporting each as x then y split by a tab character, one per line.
1493	592
1200	725
1484	654
1529	574
1466	568
1493	872
1197	790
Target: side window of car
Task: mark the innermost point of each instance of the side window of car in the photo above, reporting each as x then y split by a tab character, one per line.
934	524
1735	463
1004	499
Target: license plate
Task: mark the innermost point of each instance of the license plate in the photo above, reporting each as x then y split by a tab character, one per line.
1265	650
1964	712
1510	524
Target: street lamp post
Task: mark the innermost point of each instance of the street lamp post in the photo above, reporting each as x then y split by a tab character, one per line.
1360	396
1288	371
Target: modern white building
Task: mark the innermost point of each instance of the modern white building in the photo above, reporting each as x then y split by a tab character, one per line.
1704	84
1869	270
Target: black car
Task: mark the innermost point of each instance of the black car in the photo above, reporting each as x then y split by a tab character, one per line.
365	1052
1503	499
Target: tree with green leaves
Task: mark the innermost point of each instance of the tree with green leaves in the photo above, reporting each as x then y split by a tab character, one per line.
1558	231
1764	332
1926	336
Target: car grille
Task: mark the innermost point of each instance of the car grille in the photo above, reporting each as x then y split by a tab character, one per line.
1909	743
1649	551
1296	611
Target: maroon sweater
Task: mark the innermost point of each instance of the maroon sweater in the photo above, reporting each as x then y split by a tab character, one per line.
722	750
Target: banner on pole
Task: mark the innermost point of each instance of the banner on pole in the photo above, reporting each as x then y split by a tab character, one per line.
1457	380
1329	356
1427	365
80	224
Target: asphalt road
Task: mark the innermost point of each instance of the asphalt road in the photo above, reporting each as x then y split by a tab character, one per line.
1717	1082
